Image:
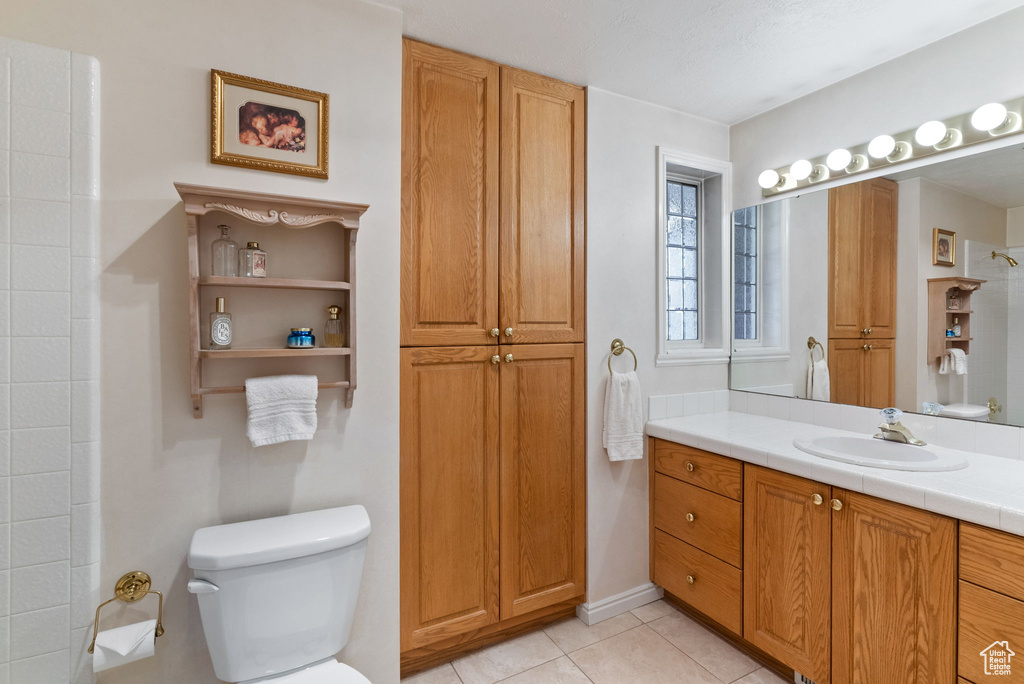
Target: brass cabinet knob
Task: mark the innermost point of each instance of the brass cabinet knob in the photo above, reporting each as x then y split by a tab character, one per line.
865	331
817	499
495	332
837	505
690	517
495	359
868	347
690	467
509	358
508	332
690	579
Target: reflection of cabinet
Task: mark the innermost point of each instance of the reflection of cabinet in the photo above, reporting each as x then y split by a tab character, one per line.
862	372
862	291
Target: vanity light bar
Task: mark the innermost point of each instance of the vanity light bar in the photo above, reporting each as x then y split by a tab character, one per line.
986	123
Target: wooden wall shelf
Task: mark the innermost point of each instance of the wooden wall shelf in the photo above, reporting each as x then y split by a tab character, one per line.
940	318
287	217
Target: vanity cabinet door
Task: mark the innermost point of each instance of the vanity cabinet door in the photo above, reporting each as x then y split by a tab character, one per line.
894	577
543	476
449	492
542	209
449	197
845	276
862	372
880	374
786	569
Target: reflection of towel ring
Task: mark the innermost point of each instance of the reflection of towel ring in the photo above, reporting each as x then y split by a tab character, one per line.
618	346
811	344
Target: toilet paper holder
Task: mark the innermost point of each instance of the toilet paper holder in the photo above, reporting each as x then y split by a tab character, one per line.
132	587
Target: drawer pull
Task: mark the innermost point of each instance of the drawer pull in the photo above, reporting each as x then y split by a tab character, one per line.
690	579
817	499
690	517
690	467
837	505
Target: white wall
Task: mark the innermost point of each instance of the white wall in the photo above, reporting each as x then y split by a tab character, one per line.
950	77
166	474
622	138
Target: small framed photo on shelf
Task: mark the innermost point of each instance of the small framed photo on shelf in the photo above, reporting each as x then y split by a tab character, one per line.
268	126
953	302
943	247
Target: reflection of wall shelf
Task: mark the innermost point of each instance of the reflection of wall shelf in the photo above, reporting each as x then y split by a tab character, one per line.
297	228
940	318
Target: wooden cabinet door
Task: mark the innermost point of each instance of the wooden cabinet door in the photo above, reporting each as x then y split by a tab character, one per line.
449	275
878	253
542	209
894	575
543	479
845	262
880	374
846	359
787	569
449	492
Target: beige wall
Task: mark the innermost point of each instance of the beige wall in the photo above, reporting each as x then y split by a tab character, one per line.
622	232
1015	227
164	473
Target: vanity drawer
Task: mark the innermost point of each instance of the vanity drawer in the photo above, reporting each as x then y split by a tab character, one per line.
717	587
704	519
709	471
985	618
992	559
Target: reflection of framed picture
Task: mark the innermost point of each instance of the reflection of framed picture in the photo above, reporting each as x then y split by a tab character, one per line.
268	126
943	247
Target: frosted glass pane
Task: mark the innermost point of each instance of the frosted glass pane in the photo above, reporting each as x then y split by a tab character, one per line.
689	294
690	232
675	230
675	262
675	198
675	325
690	263
675	294
751	269
750	300
689	201
689	325
739	323
740	276
751	241
751	326
739	298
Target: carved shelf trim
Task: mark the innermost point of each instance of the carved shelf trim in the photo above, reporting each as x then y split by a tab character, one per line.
273	216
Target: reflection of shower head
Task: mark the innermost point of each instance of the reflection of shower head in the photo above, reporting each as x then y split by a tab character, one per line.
1009	259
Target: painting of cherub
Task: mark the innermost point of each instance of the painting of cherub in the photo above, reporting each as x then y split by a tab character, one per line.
263	125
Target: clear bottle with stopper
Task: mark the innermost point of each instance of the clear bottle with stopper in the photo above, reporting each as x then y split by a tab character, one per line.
956	326
252	261
224	256
334	328
220	327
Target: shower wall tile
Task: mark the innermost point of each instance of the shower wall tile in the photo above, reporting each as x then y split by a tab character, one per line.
40	314
35	222
40	131
42	450
40	359
40	541
40	632
43	495
40	587
37	176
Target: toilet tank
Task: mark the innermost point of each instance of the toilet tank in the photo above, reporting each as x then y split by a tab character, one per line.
280	593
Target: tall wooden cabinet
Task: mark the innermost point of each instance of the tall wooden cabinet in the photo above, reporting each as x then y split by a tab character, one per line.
493	400
862	291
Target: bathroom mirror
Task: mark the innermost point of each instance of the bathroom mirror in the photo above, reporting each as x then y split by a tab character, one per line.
905	289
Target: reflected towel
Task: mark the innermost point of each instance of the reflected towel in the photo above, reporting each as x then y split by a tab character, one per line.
623	433
282	408
819	384
954	360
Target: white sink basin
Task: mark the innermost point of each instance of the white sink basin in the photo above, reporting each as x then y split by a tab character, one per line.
877	453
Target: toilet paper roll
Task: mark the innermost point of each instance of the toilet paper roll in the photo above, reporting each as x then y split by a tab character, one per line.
124	645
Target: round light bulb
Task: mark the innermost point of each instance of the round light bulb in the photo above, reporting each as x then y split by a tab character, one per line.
768	179
801	169
930	133
838	160
987	117
882	146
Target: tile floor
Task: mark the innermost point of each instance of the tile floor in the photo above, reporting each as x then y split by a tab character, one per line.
653	644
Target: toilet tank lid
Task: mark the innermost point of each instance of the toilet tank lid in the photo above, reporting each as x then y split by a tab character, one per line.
240	545
964	411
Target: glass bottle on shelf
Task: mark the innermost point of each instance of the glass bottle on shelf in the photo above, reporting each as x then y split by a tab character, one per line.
334	328
956	326
220	327
252	261
224	253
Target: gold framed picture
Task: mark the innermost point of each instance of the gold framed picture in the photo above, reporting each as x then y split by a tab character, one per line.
268	126
943	247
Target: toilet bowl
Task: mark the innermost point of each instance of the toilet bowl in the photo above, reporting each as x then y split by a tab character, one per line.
966	411
277	596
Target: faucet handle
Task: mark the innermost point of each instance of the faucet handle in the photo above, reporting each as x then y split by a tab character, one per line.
891	415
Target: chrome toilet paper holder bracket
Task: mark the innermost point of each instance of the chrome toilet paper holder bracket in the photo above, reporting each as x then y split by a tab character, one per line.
133	586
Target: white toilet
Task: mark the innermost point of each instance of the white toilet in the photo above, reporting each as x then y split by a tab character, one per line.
277	596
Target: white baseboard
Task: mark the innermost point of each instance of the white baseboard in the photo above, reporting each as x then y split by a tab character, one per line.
592	613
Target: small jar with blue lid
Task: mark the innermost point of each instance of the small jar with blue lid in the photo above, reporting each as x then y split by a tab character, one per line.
301	338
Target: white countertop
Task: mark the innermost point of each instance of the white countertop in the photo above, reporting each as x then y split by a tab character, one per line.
989	491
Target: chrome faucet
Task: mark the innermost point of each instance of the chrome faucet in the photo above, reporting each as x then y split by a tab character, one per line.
893	430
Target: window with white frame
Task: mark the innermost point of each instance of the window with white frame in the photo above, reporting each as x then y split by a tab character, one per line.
745	267
682	217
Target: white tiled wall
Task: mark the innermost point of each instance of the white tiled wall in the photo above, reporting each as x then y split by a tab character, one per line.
1014	406
49	363
987	362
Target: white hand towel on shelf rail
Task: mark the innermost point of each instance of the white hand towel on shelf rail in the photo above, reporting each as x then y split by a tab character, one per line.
819	385
954	360
282	408
623	433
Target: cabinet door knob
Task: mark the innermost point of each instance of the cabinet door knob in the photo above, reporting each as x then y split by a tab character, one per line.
495	332
868	347
509	358
837	505
509	332
865	331
817	499
495	359
690	467
690	517
690	579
